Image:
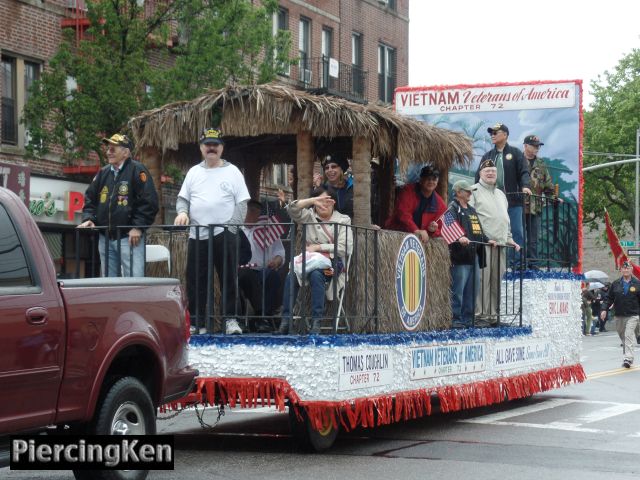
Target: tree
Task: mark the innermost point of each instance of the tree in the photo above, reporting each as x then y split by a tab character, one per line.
229	40
611	127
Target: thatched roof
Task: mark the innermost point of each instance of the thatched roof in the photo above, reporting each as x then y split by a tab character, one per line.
275	109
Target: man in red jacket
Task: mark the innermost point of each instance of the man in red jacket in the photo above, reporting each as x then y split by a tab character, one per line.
418	206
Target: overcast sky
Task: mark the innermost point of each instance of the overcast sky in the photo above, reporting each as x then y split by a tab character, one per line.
466	41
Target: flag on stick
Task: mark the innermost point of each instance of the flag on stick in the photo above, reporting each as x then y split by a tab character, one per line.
450	228
268	231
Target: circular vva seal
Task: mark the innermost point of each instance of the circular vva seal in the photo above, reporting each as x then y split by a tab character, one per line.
411	282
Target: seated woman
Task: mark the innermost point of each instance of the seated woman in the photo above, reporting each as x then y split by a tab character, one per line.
319	215
418	206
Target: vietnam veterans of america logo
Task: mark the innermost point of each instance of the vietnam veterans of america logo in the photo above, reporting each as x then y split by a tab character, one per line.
411	282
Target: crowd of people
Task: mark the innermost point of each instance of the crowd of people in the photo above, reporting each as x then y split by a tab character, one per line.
489	212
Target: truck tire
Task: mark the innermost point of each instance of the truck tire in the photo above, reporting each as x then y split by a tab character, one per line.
126	409
306	437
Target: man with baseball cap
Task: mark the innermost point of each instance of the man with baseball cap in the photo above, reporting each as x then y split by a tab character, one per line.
541	189
467	257
418	206
624	295
213	193
512	178
123	198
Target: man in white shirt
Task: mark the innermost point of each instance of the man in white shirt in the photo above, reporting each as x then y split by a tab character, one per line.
260	281
213	193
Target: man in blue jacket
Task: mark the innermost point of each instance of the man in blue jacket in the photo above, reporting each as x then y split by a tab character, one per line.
513	178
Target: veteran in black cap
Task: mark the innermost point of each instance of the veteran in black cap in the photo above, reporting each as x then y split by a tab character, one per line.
122	193
512	177
418	206
624	295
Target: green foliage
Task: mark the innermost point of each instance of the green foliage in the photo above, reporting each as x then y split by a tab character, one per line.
229	41
611	127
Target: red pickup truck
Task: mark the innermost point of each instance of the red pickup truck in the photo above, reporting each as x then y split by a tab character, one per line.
99	355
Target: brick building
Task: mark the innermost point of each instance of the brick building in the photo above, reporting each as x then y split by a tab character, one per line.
357	49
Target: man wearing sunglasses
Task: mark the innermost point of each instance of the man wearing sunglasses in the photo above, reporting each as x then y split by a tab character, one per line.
513	179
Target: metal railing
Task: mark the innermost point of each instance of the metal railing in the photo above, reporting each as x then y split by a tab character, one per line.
347	81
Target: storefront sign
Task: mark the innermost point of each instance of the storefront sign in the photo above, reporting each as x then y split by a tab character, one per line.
56	201
441	360
365	368
16	178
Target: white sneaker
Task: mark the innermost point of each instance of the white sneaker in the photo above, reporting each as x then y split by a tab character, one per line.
233	328
202	330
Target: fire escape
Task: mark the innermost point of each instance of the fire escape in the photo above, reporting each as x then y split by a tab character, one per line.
76	18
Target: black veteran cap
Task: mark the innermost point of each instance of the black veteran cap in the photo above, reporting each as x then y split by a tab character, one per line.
429	171
626	264
486	164
497	127
533	140
211	136
120	140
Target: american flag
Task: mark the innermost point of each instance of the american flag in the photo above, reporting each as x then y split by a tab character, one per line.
451	229
268	231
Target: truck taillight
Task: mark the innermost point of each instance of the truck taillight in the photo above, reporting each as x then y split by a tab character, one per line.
187	325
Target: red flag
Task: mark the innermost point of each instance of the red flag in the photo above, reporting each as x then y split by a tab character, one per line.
450	228
618	253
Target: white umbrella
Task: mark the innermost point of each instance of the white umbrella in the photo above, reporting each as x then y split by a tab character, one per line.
595	285
596	275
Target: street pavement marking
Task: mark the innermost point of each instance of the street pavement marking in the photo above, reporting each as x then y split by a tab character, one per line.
570	425
608	373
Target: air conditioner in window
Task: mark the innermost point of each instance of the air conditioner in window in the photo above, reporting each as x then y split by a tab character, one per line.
306	76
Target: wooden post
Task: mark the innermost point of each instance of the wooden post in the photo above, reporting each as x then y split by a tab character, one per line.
304	163
151	158
361	168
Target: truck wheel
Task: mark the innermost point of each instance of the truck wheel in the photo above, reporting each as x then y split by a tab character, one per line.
126	409
307	437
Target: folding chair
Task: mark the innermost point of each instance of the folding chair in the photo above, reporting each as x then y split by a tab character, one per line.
340	311
158	253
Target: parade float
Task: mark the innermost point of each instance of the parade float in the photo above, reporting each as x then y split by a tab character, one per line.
388	353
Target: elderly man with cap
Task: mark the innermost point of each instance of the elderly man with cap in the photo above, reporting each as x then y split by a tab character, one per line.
624	296
467	256
121	195
335	171
512	177
213	193
541	185
418	206
492	207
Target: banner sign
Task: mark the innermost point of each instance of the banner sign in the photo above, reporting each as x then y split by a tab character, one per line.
550	110
365	368
559	299
442	360
510	355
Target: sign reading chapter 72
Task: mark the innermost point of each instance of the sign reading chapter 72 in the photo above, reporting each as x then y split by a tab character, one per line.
633	252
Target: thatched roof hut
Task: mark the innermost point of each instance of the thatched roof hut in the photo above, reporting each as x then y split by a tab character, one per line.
268	124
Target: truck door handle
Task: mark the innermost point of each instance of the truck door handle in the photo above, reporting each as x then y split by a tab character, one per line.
37	315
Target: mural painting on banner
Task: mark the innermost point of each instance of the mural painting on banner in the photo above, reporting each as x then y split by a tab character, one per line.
411	282
552	110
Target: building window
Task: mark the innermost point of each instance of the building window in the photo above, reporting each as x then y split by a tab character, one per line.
9	101
386	73
304	50
357	72
281	22
18	76
279	178
326	48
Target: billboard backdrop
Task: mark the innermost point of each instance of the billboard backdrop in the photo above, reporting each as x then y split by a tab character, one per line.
550	109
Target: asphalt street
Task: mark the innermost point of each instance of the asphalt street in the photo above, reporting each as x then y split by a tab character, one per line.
586	431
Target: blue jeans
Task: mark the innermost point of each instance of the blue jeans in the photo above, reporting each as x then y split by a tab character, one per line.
318	281
517	232
465	282
132	259
533	231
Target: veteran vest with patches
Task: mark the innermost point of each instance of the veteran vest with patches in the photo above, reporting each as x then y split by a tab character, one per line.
128	198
